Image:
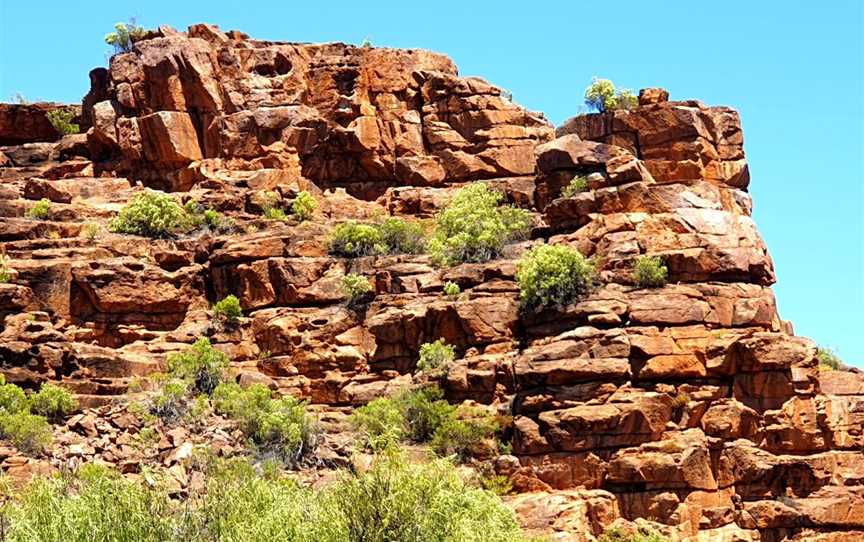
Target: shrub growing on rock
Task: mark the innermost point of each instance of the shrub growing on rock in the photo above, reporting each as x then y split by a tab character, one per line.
578	184
228	309
828	360
12	398
303	206
474	227
641	534
601	95
451	290
40	209
381	421
463	434
402	237
5	272
650	272
124	36
52	401
90	231
28	432
553	275
61	119
150	214
353	239
356	288
280	426
202	366
434	356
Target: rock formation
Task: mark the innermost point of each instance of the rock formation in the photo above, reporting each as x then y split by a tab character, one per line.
692	405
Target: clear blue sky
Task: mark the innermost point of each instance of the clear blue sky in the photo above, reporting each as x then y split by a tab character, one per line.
793	70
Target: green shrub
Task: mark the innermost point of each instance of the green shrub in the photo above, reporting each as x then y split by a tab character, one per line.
649	272
402	237
352	239
169	401
601	95
40	209
280	426
435	355
90	231
474	228
381	421
228	309
124	36
578	184
5	272
52	401
61	119
12	398
303	206
451	290
150	214
356	288
424	411
272	207
394	500
828	360
463	434
202	366
30	433
641	534
553	275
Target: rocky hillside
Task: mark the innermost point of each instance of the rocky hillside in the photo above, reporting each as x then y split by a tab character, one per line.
690	404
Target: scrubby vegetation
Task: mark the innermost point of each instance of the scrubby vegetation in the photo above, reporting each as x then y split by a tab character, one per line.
24	420
124	36
435	356
639	535
390	236
61	119
40	209
474	227
272	207
275	426
198	216
303	206
578	184
650	272
451	290
201	366
5	272
423	415
601	95
150	214
228	309
393	500
356	288
828	360
90	231
554	275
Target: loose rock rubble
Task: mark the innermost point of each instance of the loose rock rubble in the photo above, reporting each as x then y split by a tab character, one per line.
692	406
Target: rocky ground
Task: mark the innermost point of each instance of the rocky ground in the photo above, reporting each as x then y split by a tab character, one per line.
692	405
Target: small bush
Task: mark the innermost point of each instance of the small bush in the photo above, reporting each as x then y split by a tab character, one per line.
228	309
280	426
40	209
640	535
356	288
201	365
828	360
381	421
52	401
272	207
434	356
649	272
124	36
425	411
352	239
5	272
601	95
402	237
451	290
61	119
303	206
28	432
463	434
553	275
578	184
90	231
12	398
474	228
150	214
169	402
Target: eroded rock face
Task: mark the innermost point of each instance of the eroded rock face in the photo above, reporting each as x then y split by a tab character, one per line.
689	405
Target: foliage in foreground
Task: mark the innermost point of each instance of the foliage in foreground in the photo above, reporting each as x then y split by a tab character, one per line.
393	500
423	415
601	95
24	420
650	272
554	275
474	227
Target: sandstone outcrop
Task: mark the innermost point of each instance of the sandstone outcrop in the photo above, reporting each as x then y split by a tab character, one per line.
691	405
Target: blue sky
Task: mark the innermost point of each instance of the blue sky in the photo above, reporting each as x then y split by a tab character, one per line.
793	69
